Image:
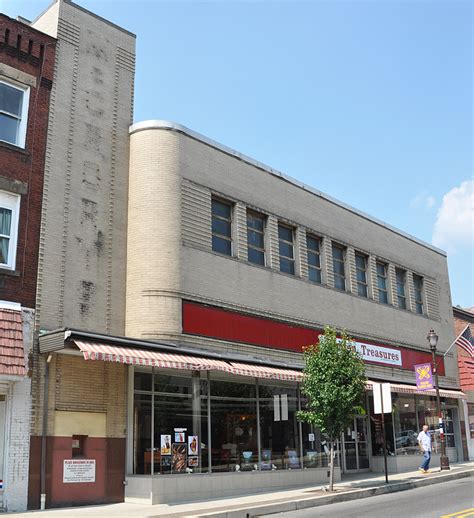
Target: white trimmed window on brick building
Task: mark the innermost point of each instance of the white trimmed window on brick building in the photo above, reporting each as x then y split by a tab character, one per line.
14	101
9	214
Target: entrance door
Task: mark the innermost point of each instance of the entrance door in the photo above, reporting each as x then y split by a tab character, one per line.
355	445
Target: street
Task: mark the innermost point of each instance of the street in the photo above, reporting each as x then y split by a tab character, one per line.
436	501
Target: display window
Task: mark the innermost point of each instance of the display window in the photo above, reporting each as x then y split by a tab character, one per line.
198	422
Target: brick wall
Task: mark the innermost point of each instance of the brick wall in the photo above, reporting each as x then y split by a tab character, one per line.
79	386
27	57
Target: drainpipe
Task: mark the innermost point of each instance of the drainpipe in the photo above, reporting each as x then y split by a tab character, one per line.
43	436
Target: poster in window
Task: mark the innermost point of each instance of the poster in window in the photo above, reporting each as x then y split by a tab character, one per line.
193	444
193	462
293	460
166	445
178	458
179	437
266	459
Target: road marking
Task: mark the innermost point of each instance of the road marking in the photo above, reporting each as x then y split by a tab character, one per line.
465	513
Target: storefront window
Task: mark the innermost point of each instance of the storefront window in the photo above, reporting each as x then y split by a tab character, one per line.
315	448
406	427
470	412
234	425
180	423
176	404
279	427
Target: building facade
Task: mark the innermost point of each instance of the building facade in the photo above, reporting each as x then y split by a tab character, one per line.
232	268
178	282
26	75
81	274
463	318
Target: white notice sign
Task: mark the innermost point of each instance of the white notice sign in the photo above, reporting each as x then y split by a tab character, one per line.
78	470
382	398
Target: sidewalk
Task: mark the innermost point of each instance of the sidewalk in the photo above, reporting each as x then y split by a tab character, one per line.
352	487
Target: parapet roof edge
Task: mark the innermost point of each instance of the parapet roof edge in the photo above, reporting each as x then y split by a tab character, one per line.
83	9
173	126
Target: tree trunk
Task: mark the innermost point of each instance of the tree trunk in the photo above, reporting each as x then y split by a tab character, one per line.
331	467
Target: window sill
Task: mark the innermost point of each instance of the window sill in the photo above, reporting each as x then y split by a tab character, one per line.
11	273
14	147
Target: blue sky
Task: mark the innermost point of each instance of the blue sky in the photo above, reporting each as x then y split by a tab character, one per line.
368	101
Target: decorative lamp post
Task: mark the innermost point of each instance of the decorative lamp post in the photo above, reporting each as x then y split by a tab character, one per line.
433	341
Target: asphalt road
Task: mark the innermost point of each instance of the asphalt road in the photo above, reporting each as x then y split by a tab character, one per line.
433	501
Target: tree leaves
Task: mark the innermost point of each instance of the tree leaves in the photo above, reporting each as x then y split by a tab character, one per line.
333	383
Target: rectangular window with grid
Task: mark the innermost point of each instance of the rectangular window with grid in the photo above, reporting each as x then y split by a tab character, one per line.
338	266
256	237
9	214
222	226
13	113
418	285
401	294
382	282
286	248
313	246
361	274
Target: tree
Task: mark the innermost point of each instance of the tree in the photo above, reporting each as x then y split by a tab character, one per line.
334	385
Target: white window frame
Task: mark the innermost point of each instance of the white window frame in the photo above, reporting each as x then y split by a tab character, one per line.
12	202
24	112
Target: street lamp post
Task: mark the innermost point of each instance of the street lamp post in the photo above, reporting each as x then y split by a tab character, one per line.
433	340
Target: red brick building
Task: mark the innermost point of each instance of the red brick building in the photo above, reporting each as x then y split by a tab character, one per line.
462	318
26	76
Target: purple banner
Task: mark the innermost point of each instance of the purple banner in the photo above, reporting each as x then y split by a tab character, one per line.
424	376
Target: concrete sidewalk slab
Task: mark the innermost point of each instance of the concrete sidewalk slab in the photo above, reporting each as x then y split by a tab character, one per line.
355	486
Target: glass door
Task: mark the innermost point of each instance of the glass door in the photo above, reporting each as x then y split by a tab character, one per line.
355	448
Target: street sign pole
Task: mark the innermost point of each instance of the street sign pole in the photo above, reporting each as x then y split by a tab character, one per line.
383	398
383	434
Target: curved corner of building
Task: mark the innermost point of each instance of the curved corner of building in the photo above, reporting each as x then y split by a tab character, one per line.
154	230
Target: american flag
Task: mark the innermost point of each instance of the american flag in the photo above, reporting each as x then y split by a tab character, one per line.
466	341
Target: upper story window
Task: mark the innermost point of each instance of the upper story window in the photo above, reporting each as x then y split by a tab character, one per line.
338	266
401	294
313	246
361	274
9	213
256	237
222	226
13	113
286	248
418	285
382	282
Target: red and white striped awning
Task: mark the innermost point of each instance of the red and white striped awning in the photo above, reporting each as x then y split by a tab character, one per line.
261	371
412	389
148	358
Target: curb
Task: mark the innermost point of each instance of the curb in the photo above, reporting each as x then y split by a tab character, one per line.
306	503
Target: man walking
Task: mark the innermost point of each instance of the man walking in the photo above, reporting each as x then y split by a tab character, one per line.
424	442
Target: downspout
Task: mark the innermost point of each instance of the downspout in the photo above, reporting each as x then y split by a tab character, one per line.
43	436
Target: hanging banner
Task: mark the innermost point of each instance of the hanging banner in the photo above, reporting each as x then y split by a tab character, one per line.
424	376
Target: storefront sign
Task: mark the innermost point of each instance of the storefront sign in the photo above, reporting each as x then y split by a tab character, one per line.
424	376
378	354
78	471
